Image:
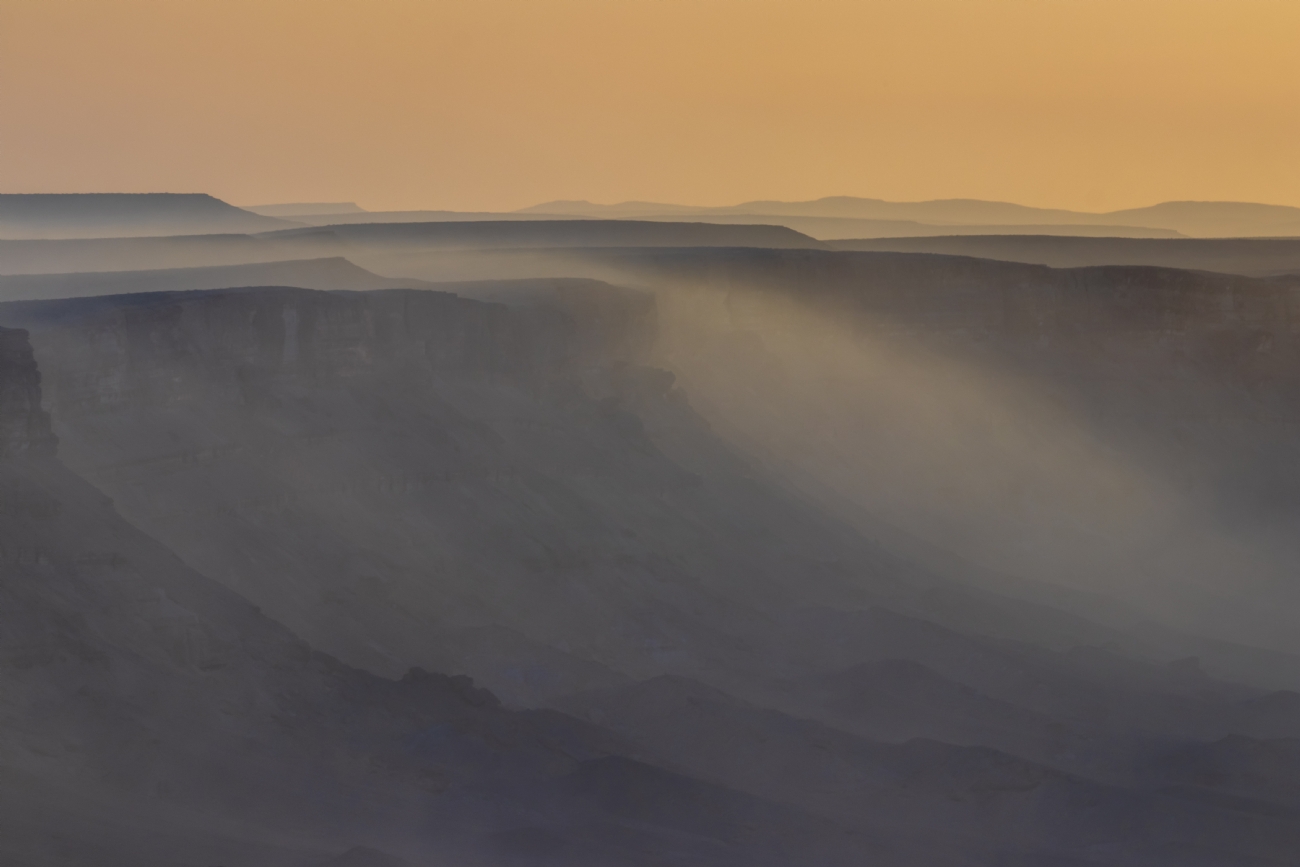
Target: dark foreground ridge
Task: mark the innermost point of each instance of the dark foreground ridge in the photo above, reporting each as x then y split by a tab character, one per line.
415	481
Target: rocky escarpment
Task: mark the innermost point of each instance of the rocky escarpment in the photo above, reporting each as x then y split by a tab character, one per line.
151	716
24	425
156	349
410	477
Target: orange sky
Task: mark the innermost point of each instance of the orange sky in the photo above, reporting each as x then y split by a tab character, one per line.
487	104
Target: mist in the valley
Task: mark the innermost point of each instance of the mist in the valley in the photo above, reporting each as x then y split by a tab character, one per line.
649	434
1001	473
926	449
556	540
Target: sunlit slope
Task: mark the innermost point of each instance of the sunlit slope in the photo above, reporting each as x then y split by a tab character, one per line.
1118	429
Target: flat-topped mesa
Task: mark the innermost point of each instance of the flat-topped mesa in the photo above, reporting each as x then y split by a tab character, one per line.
107	215
24	426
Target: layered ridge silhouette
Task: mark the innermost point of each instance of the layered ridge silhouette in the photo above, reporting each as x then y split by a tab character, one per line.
756	552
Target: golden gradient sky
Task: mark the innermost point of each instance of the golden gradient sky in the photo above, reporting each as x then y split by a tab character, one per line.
488	104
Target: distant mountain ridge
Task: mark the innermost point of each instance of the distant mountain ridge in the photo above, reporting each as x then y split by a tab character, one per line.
302	209
99	215
1258	257
822	228
1202	219
847	217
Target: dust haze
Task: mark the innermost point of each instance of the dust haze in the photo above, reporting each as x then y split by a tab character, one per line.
616	536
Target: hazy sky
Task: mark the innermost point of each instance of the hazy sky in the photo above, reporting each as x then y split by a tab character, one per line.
486	104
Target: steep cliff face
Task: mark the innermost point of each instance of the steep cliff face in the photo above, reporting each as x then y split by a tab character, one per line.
24	425
151	716
158	349
418	478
